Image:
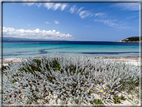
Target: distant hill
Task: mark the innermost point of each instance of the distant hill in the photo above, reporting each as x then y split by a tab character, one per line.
132	39
8	39
14	39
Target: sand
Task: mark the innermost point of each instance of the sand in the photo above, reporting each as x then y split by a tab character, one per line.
129	60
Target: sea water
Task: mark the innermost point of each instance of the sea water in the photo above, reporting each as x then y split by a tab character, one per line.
81	48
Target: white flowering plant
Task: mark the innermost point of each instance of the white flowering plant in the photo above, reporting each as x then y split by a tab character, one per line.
67	79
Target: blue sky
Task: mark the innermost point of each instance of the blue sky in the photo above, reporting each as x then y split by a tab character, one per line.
71	21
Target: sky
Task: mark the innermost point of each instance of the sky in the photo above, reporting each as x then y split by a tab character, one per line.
71	21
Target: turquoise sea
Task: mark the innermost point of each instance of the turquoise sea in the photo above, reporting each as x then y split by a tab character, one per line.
88	48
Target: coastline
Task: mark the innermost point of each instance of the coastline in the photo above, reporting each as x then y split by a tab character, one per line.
129	60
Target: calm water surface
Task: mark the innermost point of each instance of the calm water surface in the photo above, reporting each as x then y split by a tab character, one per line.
93	49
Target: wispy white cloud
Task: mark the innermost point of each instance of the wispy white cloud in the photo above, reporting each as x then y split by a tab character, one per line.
29	4
56	22
55	6
102	15
80	9
49	5
47	22
38	4
87	13
111	23
108	22
29	25
72	9
127	6
63	6
83	14
36	34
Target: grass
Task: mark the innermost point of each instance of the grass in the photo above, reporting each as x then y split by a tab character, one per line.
97	102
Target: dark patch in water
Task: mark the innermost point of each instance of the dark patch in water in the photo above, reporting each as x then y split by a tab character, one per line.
24	51
42	51
57	48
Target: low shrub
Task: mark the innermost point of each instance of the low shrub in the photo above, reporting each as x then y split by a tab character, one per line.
66	80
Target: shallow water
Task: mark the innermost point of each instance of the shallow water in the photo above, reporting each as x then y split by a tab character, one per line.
104	49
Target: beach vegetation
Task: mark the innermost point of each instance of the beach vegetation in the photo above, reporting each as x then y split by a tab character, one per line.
122	97
97	102
68	79
116	99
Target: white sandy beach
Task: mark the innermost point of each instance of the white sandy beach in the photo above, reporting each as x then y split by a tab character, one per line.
129	60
